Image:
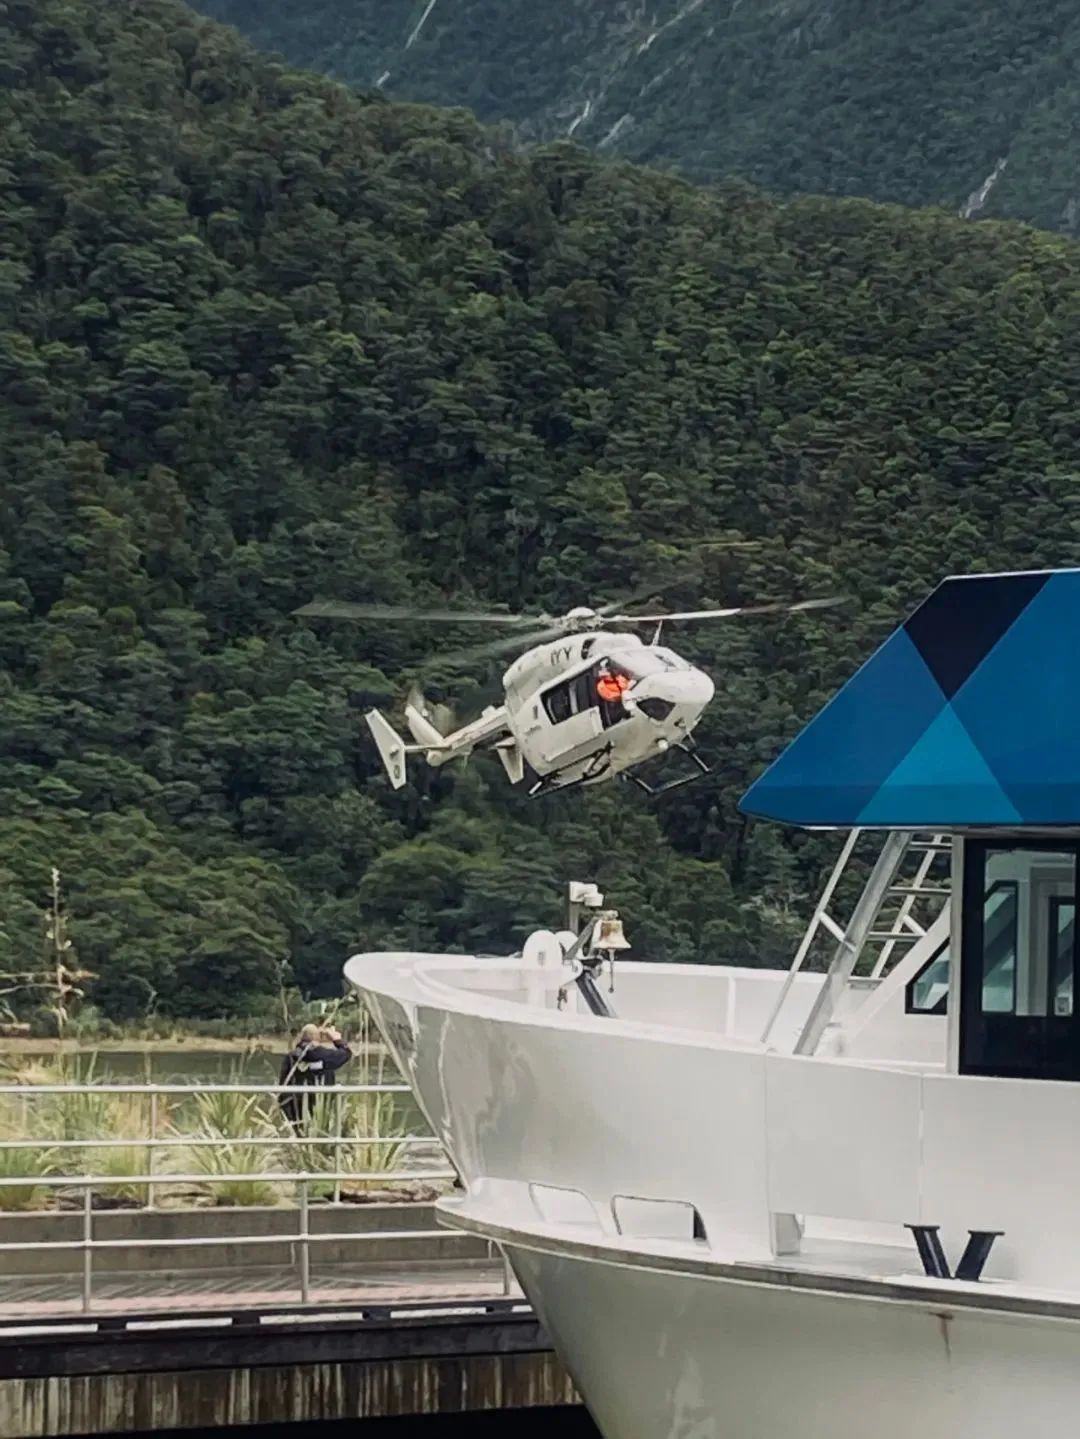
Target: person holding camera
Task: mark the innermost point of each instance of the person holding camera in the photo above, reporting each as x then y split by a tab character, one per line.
319	1052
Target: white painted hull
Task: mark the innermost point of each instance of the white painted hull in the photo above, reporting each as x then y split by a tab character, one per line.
669	1356
645	1174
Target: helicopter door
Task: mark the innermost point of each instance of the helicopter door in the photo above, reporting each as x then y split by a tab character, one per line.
573	708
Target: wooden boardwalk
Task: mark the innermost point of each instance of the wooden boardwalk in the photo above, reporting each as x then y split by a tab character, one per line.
25	1297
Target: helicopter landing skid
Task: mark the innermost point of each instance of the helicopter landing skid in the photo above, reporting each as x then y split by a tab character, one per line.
689	749
599	766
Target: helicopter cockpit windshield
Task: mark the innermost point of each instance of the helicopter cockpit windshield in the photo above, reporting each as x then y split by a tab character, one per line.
633	669
645	660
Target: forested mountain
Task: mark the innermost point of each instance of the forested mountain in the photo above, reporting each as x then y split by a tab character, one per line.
968	105
263	339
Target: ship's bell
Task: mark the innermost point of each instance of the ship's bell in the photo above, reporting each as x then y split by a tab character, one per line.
609	934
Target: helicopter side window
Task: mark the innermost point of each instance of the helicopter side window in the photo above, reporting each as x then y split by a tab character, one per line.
557	702
583	689
600	686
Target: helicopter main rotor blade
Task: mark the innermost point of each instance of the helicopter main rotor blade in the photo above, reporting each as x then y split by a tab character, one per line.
657	584
344	610
728	613
497	647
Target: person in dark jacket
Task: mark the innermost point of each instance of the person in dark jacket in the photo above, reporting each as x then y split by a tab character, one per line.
314	1060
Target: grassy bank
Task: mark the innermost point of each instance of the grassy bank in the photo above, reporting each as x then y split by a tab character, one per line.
212	1149
204	1146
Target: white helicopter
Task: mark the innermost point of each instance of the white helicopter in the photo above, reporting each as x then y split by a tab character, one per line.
583	704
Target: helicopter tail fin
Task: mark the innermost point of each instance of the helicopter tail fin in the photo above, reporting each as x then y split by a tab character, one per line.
512	760
392	748
423	731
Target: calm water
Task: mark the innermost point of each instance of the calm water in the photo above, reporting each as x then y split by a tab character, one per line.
169	1066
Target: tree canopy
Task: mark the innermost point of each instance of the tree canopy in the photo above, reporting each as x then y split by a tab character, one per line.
263	339
946	102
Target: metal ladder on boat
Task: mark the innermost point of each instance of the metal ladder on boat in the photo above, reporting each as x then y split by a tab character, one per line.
907	888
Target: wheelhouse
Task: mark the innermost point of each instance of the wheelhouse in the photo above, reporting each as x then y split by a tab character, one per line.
959	736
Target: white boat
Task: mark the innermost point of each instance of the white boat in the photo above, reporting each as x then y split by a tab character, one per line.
757	1204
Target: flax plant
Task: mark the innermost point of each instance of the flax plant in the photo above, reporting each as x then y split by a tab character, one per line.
225	1125
88	1115
29	1163
122	1163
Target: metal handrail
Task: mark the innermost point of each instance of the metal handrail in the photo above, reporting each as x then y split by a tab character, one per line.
18	1089
270	1176
214	1241
291	1139
192	1141
152	1141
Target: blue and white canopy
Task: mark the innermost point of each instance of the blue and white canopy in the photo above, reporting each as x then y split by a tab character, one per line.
968	715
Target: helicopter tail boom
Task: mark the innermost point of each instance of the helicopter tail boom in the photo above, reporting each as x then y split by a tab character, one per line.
436	748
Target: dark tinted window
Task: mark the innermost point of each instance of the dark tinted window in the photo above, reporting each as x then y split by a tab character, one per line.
557	702
928	992
584	691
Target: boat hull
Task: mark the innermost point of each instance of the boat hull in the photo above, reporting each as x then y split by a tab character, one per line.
660	1355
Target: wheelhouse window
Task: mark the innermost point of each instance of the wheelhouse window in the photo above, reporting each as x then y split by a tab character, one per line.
1003	959
1060	944
1023	929
928	991
1019	959
999	946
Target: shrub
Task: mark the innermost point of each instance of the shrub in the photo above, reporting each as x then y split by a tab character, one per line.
232	1162
223	1121
123	1161
26	1163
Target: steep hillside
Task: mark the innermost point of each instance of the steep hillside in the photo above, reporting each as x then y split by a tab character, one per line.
972	106
263	339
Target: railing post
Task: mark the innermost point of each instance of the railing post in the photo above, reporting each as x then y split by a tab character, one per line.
507	1274
305	1252
339	1095
151	1188
88	1253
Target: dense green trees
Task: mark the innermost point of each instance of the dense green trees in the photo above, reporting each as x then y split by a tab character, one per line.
262	339
918	102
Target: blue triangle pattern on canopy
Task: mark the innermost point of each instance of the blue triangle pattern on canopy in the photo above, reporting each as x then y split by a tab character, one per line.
941	771
968	715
